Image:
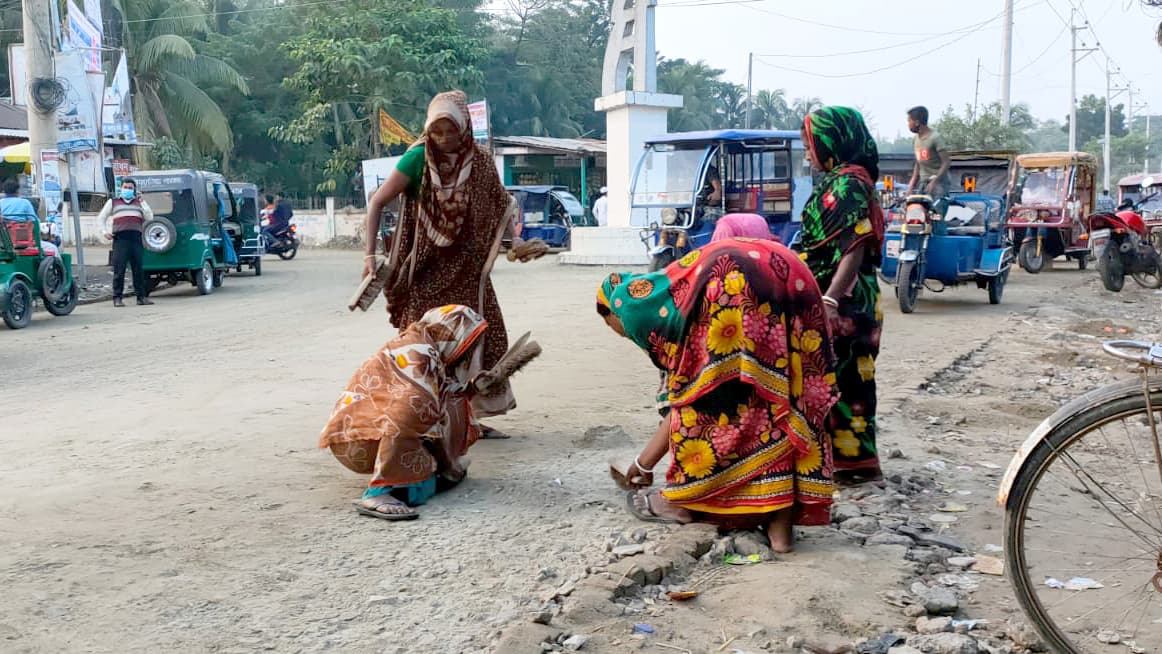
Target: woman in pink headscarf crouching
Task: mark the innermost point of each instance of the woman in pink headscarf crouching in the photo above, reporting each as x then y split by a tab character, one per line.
742	225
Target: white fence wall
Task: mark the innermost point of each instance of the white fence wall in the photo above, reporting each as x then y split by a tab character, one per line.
316	228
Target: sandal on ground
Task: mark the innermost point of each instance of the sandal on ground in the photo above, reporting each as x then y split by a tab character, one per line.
490	434
407	513
849	478
648	515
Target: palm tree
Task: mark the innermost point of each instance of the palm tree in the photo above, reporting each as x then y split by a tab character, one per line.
770	109
168	76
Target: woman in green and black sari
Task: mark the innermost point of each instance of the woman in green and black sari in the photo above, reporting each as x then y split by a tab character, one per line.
842	233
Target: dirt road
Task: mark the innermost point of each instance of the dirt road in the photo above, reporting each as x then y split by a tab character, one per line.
160	488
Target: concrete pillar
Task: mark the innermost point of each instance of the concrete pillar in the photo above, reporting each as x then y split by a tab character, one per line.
631	118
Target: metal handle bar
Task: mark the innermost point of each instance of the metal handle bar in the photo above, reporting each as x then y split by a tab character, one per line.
1140	352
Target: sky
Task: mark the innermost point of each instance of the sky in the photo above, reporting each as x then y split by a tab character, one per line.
894	54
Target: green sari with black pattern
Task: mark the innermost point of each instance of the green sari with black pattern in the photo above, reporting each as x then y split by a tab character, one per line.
842	216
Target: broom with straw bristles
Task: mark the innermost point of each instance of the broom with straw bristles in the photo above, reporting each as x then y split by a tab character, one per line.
518	356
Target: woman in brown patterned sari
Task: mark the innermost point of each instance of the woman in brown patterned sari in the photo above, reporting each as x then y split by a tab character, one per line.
456	212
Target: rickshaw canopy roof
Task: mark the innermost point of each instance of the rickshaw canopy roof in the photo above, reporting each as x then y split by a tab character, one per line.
169	180
714	136
537	189
1136	180
1056	159
998	158
244	189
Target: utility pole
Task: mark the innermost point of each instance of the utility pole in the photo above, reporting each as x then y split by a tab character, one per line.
38	64
1006	63
1073	59
1105	148
976	96
749	87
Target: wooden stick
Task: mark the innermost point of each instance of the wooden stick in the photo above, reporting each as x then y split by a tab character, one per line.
675	648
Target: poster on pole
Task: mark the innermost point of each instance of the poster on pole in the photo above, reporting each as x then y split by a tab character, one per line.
50	188
117	111
93	13
76	117
84	37
478	112
17	75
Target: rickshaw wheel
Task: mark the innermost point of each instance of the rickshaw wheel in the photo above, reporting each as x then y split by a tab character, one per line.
996	287
17	305
659	261
907	288
258	267
1032	262
1082	263
65	305
218	278
204	279
1151	279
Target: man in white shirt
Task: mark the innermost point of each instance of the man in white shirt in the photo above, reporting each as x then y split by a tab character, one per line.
601	208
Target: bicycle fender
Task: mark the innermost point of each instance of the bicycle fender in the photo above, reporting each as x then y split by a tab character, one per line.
1096	397
909	255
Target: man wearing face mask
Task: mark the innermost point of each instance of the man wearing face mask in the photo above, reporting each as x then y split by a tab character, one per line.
123	219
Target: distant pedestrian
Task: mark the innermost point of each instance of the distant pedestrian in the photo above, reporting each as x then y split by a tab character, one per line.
1105	202
601	208
123	220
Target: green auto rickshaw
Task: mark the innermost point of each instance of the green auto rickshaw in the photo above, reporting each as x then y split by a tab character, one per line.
187	239
31	269
246	228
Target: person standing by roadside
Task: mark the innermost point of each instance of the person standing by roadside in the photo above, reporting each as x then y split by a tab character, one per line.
842	233
123	220
1105	202
601	208
930	174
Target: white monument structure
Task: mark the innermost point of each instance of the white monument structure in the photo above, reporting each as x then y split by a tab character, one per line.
631	116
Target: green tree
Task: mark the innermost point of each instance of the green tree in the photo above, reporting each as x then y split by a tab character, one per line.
1091	119
770	110
354	58
983	130
698	85
169	78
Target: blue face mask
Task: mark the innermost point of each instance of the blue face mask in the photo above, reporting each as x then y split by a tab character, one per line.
128	194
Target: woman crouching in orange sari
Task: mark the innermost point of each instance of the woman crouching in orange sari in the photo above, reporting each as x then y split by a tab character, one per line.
740	332
406	416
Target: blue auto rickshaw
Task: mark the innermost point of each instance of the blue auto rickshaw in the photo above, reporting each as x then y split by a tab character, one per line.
547	212
965	241
685	182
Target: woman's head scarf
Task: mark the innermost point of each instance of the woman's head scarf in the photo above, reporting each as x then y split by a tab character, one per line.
742	225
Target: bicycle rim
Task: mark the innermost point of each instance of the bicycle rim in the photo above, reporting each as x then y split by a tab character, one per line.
1084	532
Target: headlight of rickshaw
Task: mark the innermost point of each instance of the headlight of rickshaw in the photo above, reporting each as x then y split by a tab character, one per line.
669	216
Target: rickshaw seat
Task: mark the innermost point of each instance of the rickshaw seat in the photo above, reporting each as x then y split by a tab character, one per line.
24	238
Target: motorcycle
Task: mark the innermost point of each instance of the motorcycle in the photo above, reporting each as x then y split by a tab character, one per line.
1120	241
285	243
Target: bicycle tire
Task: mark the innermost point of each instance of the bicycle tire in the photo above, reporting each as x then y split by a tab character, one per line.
1103	405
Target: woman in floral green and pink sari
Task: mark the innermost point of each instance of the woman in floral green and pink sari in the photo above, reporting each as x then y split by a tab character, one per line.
740	333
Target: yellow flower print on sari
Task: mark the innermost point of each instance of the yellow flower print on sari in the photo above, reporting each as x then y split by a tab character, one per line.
696	458
690	259
689	417
859	424
811	341
726	334
735	282
863	227
811	461
846	442
867	368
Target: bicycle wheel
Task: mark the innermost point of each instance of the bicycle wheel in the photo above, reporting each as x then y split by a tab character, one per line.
1083	526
